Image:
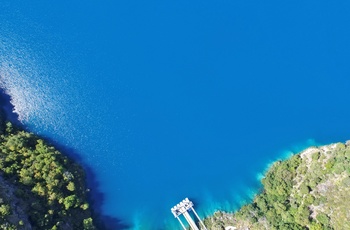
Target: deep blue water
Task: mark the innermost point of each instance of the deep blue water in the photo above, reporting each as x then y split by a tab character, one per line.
164	100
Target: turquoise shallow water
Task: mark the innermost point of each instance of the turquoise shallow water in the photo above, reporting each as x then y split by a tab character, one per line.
165	100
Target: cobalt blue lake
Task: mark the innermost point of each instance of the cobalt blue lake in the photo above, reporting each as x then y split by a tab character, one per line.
164	100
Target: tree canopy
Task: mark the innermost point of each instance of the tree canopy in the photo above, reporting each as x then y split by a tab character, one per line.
39	186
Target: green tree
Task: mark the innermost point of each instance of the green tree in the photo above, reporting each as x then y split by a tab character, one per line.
5	210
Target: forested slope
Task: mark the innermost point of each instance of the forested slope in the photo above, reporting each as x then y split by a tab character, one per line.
311	190
39	187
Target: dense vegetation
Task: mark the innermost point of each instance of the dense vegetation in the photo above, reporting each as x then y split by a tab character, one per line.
39	187
311	190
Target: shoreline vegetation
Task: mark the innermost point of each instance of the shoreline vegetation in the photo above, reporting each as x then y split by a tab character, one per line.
310	190
40	188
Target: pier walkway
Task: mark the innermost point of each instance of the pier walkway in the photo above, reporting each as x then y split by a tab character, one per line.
182	208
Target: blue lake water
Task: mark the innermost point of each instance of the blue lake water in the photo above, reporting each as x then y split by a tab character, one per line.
165	100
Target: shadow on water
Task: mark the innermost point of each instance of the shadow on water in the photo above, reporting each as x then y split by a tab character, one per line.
95	196
7	108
